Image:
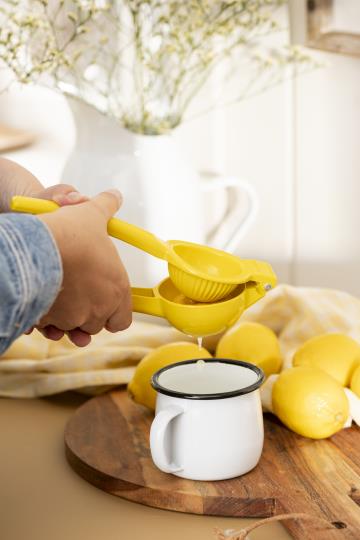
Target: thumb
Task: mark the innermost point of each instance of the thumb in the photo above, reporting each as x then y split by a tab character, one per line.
108	202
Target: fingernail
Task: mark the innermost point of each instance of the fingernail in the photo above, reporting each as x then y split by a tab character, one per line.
117	194
74	196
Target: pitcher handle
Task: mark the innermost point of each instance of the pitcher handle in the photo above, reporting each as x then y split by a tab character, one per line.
231	230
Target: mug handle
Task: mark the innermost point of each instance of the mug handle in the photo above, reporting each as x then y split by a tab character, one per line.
231	230
157	438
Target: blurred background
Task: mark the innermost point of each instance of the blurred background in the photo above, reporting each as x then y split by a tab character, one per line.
296	144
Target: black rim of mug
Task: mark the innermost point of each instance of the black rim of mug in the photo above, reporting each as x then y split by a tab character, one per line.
220	395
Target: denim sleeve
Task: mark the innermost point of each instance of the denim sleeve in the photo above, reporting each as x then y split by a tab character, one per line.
30	274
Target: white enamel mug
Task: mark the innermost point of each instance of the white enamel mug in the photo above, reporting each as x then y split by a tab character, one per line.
208	423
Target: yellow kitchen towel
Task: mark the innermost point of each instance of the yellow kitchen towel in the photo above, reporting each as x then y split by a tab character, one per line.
34	366
296	314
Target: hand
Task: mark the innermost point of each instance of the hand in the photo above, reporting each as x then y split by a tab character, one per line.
15	180
63	195
95	291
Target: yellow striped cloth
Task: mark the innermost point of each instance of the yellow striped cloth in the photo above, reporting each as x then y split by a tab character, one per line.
34	366
296	314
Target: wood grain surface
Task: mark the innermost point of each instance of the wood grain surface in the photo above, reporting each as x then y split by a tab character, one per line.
107	443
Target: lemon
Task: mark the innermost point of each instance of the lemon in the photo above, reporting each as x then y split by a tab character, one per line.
254	343
337	354
310	402
140	388
355	382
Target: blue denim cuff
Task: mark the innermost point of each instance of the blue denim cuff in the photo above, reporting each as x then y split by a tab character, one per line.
30	274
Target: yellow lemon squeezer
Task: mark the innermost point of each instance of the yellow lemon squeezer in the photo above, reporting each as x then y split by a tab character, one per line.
207	290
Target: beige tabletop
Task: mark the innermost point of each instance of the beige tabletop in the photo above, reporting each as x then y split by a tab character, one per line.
41	498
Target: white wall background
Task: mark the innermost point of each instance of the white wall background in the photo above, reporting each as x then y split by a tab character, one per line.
298	144
328	175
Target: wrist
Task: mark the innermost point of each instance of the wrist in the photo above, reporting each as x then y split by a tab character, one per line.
65	240
52	224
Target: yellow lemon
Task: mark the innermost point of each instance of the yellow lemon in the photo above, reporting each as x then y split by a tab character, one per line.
355	382
337	354
310	402
254	343
140	388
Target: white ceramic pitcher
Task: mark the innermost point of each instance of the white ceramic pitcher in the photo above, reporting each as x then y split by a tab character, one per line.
162	193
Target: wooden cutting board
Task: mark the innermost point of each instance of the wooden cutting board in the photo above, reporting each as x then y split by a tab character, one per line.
107	443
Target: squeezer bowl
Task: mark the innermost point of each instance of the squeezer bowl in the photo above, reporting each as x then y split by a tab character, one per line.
206	274
199	318
199	289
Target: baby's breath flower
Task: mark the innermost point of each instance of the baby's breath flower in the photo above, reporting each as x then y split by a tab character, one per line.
142	61
72	16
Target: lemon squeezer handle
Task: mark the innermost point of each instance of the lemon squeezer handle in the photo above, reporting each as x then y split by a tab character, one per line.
137	237
131	234
144	301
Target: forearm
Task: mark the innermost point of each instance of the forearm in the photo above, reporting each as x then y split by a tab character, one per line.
30	274
15	180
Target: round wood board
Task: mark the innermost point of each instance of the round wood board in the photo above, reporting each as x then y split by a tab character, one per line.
107	443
